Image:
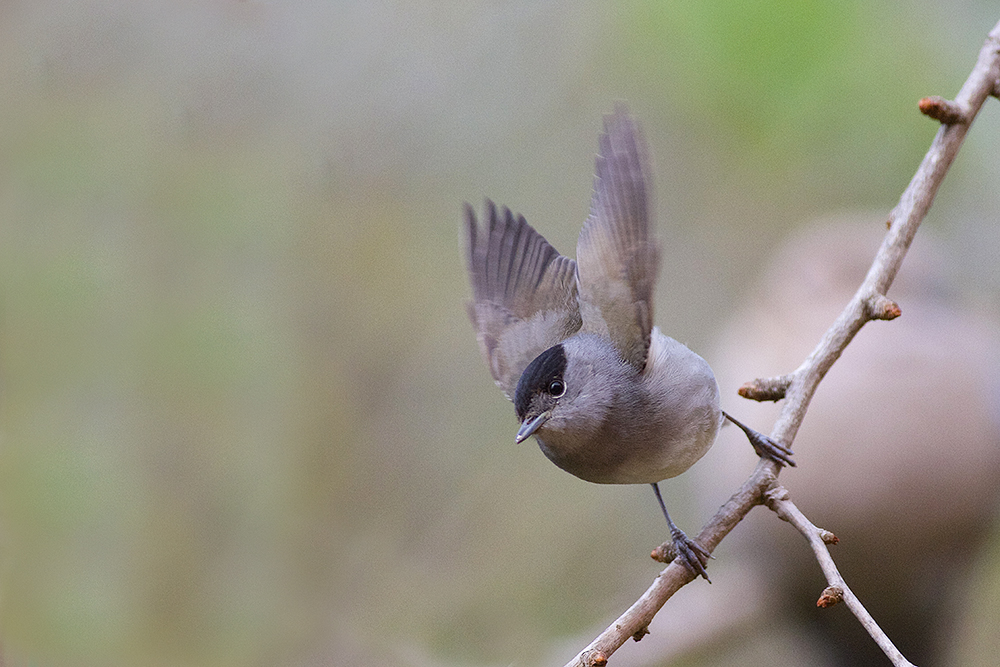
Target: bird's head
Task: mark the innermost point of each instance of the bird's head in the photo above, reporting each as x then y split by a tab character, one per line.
568	391
539	391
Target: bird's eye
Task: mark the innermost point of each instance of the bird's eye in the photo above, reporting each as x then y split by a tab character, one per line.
557	388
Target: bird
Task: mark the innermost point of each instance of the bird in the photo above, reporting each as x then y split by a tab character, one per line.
606	395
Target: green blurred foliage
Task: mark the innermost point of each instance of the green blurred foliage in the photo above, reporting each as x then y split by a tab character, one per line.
794	92
243	419
154	441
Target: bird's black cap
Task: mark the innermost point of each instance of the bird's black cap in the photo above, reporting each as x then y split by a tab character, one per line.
548	366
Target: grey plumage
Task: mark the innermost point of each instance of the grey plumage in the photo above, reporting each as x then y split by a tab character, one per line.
608	397
617	425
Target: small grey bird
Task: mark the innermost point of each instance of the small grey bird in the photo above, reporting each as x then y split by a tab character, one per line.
608	397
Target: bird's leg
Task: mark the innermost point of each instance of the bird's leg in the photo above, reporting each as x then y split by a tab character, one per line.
765	446
692	555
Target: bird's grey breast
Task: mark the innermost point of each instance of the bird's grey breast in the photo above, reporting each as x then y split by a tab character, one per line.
631	428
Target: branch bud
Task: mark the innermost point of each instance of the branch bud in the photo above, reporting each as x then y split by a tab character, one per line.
942	110
831	596
879	307
766	389
596	659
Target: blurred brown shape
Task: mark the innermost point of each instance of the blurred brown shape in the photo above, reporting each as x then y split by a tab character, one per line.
898	452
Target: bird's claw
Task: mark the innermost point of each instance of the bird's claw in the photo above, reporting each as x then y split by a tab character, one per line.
765	446
689	552
768	448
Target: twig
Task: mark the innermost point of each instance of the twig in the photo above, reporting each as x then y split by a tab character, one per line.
868	303
777	499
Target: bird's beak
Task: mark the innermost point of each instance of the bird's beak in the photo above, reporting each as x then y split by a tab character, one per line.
529	427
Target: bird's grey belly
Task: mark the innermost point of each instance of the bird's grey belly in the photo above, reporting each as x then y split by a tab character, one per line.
635	460
597	464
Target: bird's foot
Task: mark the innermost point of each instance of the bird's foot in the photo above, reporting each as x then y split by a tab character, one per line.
765	446
690	554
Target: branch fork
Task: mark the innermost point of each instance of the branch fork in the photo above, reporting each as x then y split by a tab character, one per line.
776	498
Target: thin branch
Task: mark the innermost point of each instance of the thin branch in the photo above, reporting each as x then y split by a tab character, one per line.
869	302
777	499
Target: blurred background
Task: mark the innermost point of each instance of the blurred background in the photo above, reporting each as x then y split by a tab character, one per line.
243	418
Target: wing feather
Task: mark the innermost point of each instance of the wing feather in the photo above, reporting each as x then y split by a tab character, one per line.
524	293
618	258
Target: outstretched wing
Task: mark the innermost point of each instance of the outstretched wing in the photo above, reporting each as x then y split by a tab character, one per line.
524	293
617	257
